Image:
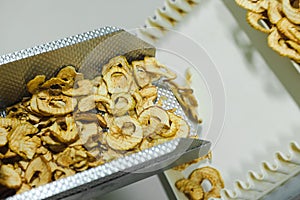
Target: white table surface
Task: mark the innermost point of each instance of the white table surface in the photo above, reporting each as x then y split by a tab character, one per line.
261	115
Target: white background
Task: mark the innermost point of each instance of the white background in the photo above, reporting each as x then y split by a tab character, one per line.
261	117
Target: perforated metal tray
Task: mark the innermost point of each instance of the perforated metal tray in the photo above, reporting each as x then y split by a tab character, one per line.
89	51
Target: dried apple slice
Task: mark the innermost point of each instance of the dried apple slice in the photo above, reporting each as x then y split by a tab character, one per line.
154	67
148	91
64	130
190	188
3	136
154	112
84	88
71	157
89	102
142	77
154	121
9	177
69	74
54	105
122	103
118	61
213	176
277	43
183	129
293	14
33	86
38	172
22	144
254	20
117	80
60	172
275	12
289	29
125	134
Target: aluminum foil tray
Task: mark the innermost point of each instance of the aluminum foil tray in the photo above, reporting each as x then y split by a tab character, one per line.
88	52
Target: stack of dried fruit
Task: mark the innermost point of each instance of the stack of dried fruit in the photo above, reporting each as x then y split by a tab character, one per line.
70	124
282	23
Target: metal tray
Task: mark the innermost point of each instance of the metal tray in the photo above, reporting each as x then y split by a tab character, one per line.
89	51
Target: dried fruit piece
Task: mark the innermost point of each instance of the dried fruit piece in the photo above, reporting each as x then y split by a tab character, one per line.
34	85
101	88
294	45
156	68
60	172
171	132
85	116
9	177
190	188
21	143
64	130
277	43
142	77
23	164
254	20
149	91
122	103
142	103
293	14
154	112
288	29
274	12
183	128
117	80
54	105
85	87
55	84
125	134
38	172
81	166
69	74
89	135
118	61
33	105
186	99
72	157
51	143
154	120
214	178
88	103
9	123
94	154
3	136
96	163
22	112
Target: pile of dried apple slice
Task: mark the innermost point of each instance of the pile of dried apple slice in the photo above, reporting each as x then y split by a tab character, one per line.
281	20
70	123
